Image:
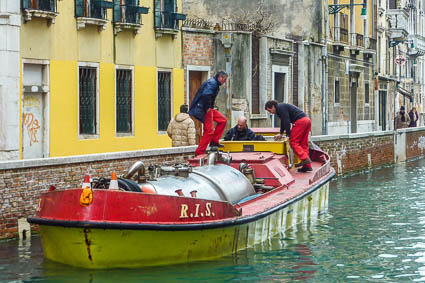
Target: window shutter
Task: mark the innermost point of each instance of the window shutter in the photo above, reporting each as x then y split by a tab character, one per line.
392	4
117	11
79	8
169	6
52	6
157	14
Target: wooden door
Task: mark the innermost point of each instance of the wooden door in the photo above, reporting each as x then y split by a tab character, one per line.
195	82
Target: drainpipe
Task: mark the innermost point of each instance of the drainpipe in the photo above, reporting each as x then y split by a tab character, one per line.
325	71
226	39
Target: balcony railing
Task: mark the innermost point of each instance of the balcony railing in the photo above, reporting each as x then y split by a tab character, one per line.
92	9
129	13
398	24
43	5
359	40
343	35
168	20
371	43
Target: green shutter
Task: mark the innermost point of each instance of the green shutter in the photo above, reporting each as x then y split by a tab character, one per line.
117	11
79	8
164	100
157	13
26	4
87	107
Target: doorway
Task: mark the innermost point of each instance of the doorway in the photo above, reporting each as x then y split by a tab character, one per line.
196	78
383	110
353	99
35	111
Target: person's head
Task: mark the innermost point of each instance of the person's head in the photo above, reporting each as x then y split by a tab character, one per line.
221	77
414	109
242	123
184	108
402	109
271	106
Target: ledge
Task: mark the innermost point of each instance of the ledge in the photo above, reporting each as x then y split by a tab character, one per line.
197	30
127	26
161	31
55	161
30	13
351	136
83	21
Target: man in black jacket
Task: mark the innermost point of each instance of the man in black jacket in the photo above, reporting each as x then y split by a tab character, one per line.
240	132
298	134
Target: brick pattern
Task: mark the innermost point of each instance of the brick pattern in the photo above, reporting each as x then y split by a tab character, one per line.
198	49
20	188
353	153
415	144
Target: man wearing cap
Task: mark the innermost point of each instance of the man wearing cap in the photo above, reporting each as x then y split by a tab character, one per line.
402	119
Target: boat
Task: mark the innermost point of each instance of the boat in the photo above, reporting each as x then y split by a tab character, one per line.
213	205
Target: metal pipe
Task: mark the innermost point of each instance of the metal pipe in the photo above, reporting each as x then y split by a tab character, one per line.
139	165
325	70
211	158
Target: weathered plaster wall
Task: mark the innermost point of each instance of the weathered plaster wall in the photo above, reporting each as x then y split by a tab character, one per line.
286	14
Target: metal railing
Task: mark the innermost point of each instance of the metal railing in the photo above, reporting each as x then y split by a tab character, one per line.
127	14
165	20
372	43
43	5
92	9
359	40
343	35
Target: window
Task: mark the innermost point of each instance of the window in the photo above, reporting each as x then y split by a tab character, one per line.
44	5
366	93
128	11
336	91
92	8
166	15
164	100
124	111
88	100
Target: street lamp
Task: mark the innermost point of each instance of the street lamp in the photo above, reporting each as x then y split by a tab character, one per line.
335	8
363	15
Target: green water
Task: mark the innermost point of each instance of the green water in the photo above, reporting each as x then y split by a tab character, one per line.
374	231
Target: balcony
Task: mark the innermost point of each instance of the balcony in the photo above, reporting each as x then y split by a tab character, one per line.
40	9
359	40
398	24
128	17
92	12
167	23
416	45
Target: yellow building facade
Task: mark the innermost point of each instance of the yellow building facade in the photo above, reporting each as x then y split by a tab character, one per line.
99	76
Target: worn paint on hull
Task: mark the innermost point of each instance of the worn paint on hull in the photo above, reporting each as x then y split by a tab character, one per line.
113	248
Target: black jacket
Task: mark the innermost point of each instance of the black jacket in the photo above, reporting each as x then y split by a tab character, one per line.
288	114
234	135
204	99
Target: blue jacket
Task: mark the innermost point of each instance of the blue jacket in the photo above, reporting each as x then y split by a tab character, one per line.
234	135
204	99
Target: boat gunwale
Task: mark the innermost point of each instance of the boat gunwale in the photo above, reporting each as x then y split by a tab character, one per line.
178	226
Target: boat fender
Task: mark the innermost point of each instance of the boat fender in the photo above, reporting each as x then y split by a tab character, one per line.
86	197
148	190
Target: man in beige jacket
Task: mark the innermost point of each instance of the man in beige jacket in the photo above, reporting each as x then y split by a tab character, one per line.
181	129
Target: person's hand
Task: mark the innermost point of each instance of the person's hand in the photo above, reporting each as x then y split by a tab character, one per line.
278	137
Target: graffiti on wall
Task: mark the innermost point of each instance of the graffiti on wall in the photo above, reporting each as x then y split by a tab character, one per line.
32	125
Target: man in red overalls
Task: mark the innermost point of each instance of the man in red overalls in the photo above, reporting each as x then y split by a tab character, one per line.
202	109
298	135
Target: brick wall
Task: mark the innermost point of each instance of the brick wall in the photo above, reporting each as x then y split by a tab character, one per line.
198	48
21	182
415	143
350	153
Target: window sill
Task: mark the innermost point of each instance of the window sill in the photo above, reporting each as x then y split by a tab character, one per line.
118	27
30	13
83	21
88	137
259	116
161	31
124	135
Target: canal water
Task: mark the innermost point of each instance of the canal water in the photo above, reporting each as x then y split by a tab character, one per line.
374	231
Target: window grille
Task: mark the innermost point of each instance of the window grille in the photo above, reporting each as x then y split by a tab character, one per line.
164	100
128	11
87	107
124	101
337	94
